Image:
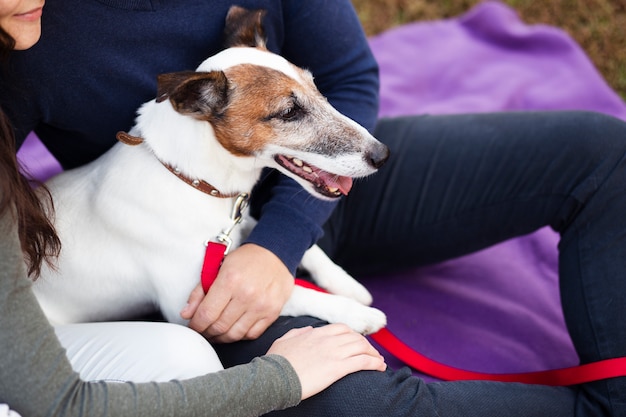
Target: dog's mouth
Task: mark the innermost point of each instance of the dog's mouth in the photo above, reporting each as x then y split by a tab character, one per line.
325	183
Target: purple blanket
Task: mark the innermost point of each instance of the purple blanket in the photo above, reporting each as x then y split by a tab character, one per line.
497	310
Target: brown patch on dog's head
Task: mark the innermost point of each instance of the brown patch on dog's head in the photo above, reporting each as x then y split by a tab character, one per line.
263	103
243	105
244	28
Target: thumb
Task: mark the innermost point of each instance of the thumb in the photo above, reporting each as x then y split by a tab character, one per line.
194	300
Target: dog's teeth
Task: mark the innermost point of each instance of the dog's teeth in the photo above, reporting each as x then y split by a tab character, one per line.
307	169
297	162
333	189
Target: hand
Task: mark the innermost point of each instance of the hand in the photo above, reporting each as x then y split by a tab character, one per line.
247	296
320	356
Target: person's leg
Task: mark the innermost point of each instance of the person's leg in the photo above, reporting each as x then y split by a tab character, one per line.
136	351
399	394
456	184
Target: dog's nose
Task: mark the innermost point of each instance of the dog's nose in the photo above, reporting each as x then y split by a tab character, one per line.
378	155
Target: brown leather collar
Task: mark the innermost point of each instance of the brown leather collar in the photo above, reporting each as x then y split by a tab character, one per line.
200	185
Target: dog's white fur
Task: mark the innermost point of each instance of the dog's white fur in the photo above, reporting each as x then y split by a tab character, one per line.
133	233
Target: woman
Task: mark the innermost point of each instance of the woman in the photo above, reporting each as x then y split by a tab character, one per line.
454	184
37	378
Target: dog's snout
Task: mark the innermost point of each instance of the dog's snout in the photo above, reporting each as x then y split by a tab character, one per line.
378	155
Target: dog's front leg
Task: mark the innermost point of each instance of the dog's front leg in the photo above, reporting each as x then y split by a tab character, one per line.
332	277
334	309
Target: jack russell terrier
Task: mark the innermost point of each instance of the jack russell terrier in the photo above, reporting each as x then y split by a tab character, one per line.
134	222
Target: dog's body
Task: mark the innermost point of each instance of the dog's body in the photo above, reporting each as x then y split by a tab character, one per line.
133	232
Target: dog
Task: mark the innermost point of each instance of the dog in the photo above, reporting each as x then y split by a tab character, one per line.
134	222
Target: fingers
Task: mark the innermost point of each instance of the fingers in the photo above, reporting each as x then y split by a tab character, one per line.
208	309
321	356
245	327
195	298
359	355
348	344
260	326
226	316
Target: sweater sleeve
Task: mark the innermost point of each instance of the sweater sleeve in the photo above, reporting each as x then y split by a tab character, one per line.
37	379
325	37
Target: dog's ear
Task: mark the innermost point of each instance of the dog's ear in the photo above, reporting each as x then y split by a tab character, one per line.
199	94
244	28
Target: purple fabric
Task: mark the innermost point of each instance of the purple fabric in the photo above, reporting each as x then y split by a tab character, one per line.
36	160
497	310
487	60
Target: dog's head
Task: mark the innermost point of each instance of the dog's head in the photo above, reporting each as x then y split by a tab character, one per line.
261	106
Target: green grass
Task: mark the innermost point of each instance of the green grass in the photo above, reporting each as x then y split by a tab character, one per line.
599	26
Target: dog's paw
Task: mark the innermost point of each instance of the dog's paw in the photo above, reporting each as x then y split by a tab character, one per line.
365	320
334	309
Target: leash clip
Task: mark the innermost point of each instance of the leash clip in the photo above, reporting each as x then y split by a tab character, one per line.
223	238
241	203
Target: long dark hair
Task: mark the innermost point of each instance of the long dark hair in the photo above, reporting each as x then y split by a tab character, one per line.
38	238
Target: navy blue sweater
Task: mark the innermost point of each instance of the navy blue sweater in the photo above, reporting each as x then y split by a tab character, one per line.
97	62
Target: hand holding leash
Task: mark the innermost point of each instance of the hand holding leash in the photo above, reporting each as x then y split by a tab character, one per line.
248	294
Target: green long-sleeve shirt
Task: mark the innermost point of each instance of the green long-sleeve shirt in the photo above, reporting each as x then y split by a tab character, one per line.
36	378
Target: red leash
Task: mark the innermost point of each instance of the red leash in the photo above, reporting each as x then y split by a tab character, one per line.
213	257
608	368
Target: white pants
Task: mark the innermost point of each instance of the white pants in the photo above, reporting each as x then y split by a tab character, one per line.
137	351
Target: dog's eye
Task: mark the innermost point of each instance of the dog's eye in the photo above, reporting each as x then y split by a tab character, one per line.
291	113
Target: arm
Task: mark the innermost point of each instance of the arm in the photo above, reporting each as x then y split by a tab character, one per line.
38	379
290	220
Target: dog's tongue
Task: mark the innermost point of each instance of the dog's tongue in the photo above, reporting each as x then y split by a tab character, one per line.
344	184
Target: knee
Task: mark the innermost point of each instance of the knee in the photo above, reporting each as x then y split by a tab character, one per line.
186	353
600	132
583	142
